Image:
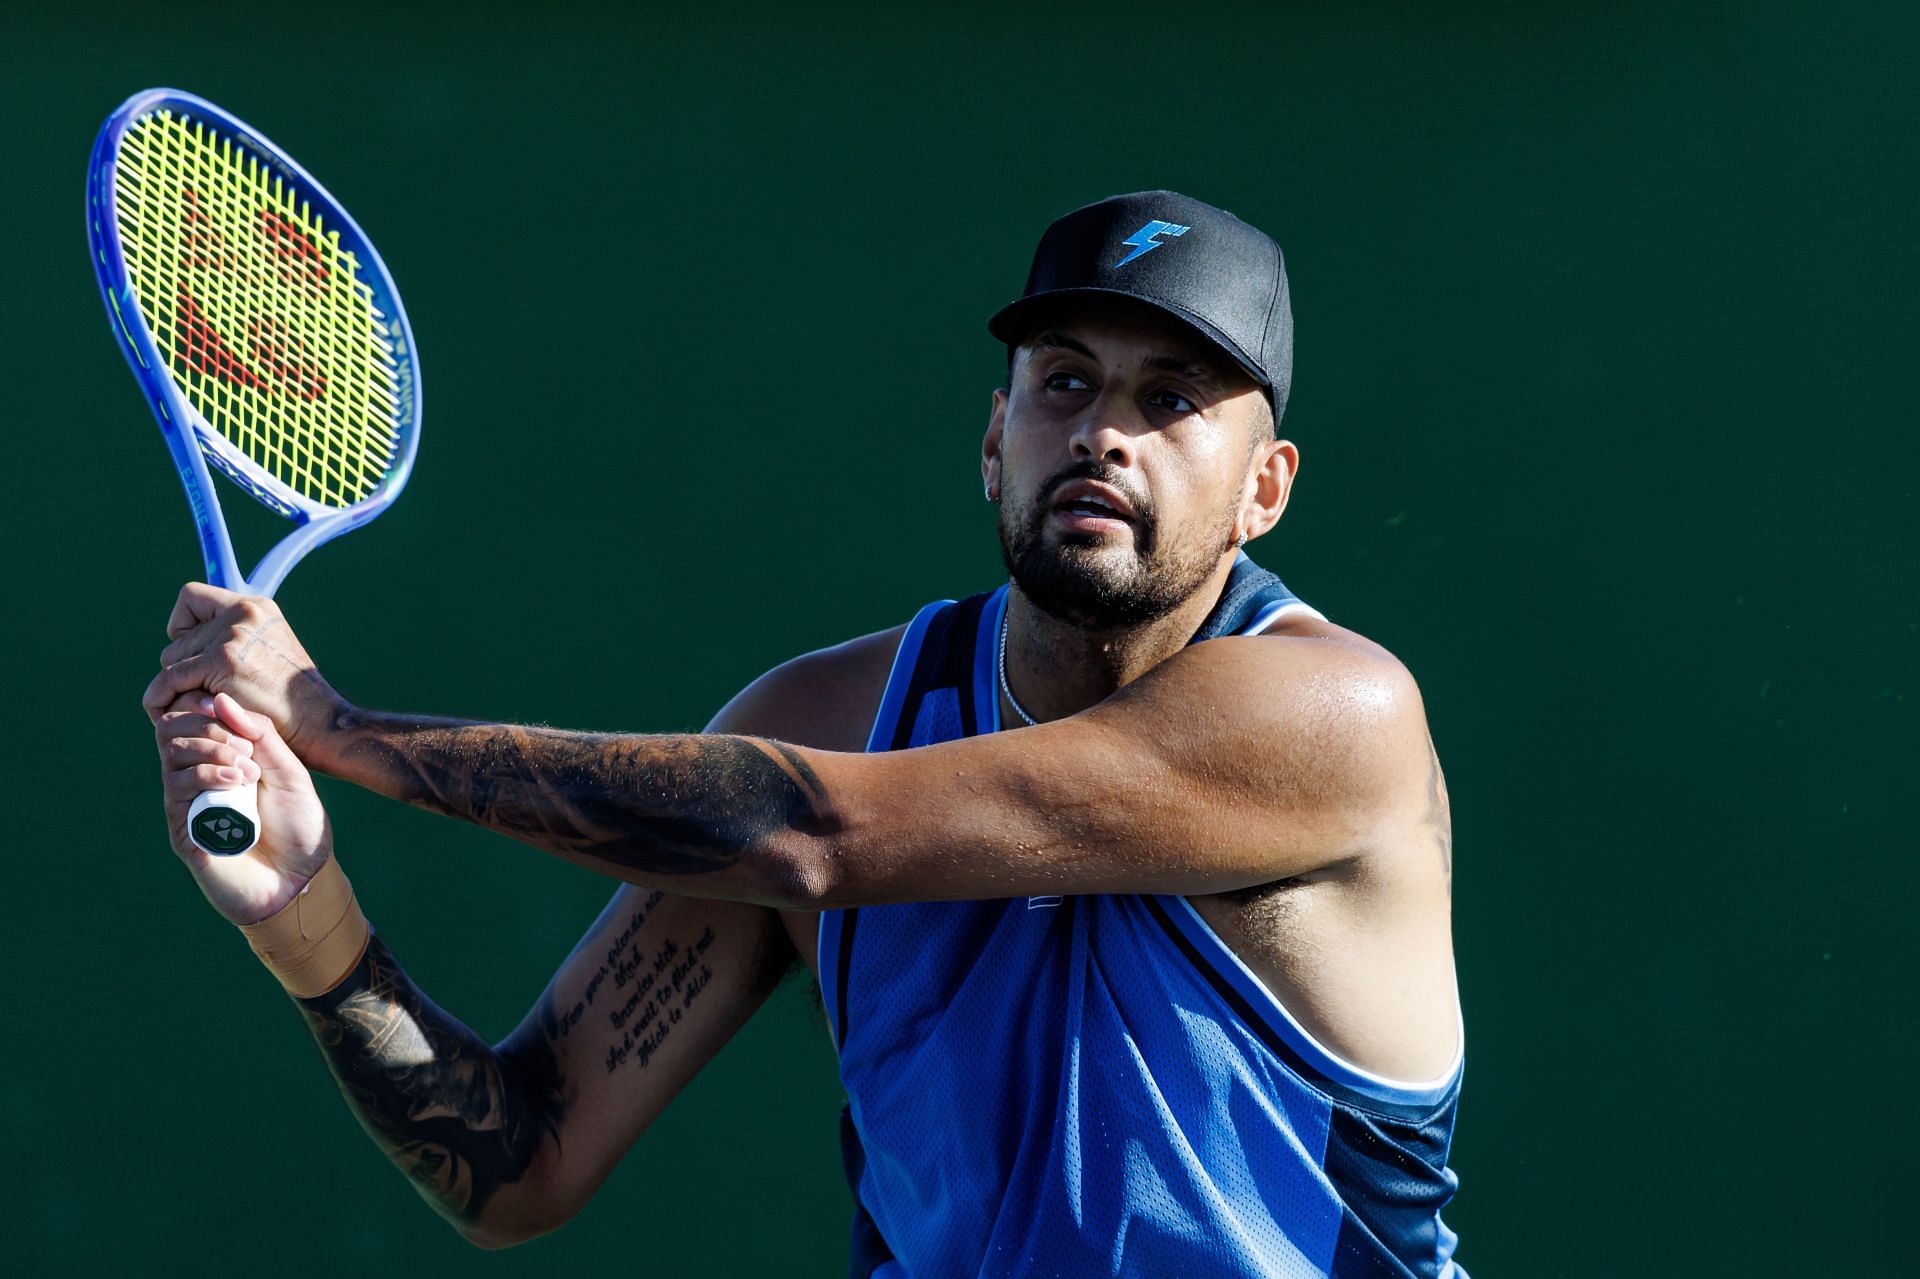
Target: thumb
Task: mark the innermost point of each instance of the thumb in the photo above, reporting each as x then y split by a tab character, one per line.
272	754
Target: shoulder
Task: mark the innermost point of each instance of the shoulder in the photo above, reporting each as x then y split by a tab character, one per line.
825	699
1358	686
1312	645
1303	657
1328	709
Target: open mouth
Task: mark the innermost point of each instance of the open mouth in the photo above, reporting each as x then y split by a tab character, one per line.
1091	516
1092	507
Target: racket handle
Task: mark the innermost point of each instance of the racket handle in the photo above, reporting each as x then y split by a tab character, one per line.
225	822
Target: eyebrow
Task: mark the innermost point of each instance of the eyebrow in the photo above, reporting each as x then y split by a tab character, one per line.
1188	369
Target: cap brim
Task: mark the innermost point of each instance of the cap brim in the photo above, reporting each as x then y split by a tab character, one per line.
1018	320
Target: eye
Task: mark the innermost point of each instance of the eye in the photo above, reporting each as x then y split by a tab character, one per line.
1173	402
1059	381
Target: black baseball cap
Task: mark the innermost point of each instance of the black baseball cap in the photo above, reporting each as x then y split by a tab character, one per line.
1222	277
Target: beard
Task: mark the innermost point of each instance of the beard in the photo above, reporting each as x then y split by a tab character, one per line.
1097	584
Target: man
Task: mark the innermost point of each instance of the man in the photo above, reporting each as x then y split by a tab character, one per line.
1126	885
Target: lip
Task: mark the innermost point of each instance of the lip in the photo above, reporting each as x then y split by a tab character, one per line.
1081	522
1091	491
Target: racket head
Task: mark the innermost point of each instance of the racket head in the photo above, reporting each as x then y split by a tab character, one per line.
258	319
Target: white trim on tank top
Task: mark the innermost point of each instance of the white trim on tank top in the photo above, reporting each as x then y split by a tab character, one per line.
1336	1067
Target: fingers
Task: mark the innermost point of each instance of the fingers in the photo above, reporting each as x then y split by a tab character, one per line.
193	632
190	739
200	754
274	757
183	677
241	720
182	785
214	763
197	603
193	700
182	725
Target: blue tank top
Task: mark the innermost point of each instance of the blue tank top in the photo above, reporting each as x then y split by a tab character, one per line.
1096	1085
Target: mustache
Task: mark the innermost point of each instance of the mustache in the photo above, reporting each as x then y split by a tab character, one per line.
1099	473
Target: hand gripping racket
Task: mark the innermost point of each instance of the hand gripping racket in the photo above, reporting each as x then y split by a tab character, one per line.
266	334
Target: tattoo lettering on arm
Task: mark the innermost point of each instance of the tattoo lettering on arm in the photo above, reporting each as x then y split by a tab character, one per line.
1440	812
459	1118
648	989
657	804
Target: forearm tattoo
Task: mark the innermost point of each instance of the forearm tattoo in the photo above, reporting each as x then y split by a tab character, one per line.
459	1118
646	985
655	804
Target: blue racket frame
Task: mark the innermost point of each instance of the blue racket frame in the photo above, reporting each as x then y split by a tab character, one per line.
190	438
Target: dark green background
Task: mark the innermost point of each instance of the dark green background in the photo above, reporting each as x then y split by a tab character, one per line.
1605	319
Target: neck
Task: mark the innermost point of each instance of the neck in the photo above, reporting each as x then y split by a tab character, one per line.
1057	669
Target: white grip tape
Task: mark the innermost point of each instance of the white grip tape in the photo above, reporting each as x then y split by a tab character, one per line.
225	822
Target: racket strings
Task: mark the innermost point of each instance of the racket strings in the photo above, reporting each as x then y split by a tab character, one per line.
263	319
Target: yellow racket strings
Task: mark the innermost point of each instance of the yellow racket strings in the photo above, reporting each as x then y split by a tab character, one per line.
259	314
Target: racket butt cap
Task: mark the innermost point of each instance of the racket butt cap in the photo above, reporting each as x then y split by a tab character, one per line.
225	823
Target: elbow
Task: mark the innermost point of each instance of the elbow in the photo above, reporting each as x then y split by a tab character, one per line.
800	875
488	1240
494	1236
502	1225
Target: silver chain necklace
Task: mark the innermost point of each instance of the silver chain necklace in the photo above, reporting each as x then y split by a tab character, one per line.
1012	701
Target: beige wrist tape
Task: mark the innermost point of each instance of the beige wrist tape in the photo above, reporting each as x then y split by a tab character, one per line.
315	940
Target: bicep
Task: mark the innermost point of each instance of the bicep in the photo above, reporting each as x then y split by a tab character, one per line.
1235	763
654	989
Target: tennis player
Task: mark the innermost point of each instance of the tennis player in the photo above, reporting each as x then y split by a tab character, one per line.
1126	884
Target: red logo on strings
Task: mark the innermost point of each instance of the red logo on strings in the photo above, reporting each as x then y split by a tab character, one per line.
281	355
202	350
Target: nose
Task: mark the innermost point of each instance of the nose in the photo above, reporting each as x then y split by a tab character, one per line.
1098	435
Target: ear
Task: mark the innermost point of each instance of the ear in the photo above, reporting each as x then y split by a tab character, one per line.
990	446
1268	487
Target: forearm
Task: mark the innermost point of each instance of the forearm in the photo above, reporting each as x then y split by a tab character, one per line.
464	1121
735	814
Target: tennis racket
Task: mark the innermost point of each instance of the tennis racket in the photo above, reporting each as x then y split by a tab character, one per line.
267	336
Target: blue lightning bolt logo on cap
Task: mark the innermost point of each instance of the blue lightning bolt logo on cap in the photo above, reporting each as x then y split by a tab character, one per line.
1144	241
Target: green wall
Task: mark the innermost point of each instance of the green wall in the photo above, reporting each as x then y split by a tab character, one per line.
1605	317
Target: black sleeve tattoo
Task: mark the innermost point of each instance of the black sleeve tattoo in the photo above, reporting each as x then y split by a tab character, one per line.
459	1118
654	804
